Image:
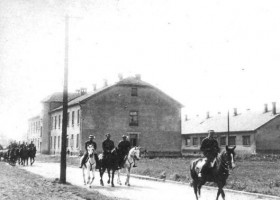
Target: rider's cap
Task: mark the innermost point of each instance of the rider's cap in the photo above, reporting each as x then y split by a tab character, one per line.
124	136
91	136
211	131
107	134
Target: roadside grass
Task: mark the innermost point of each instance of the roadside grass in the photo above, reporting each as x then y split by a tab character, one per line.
257	174
16	183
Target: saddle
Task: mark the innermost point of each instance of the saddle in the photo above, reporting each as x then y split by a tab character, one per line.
201	164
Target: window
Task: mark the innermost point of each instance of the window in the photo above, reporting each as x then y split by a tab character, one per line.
232	140
223	141
195	141
277	127
59	121
133	139
201	139
187	141
55	122
77	140
134	92
58	141
73	117
246	140
133	118
68	119
72	141
54	142
78	117
51	143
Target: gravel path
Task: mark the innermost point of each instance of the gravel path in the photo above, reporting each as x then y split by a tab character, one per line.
139	189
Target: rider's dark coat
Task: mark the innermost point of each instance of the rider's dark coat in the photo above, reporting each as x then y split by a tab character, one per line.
210	147
124	147
108	145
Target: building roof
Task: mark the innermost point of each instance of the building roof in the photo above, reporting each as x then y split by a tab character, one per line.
58	97
247	121
130	81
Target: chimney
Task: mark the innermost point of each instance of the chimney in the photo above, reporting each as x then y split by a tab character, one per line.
120	77
83	91
94	87
207	115
235	112
105	83
186	117
273	108
138	76
265	108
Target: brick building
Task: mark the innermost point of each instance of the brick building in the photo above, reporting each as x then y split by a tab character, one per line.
131	106
251	132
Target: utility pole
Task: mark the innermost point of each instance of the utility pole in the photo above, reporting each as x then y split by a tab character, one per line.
228	127
65	107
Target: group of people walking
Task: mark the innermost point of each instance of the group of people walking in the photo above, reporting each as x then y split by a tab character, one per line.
107	147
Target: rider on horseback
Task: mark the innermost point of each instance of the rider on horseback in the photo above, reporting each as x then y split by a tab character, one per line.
85	156
210	149
124	147
107	145
32	146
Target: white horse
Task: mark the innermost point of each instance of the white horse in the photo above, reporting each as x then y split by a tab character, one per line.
89	166
134	154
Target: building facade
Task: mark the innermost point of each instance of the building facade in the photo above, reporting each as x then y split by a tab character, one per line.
150	118
34	132
251	132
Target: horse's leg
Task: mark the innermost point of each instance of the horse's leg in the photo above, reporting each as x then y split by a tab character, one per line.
119	179
109	175
93	175
218	193
195	188
88	174
199	188
83	171
101	172
112	181
127	175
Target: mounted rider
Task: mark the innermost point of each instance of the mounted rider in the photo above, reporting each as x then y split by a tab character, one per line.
210	149
32	146
107	145
85	156
124	147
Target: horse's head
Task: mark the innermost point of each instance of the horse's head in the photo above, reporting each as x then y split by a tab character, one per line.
90	150
135	153
230	156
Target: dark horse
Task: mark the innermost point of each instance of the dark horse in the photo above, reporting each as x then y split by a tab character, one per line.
31	154
23	155
109	162
218	174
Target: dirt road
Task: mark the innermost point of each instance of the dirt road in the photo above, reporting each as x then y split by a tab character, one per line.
139	189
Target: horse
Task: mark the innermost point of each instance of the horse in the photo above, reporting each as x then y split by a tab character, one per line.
218	174
23	154
31	154
89	166
134	154
108	161
4	153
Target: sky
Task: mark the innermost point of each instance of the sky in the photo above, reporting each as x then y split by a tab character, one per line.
212	56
